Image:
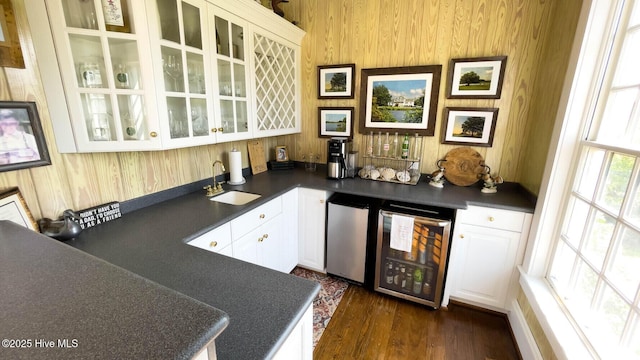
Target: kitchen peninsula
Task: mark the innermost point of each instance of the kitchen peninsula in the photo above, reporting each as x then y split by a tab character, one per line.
59	302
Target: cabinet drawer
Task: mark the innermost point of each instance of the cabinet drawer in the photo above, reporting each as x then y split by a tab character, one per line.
492	218
256	217
215	240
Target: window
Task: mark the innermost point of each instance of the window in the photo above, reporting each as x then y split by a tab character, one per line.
595	266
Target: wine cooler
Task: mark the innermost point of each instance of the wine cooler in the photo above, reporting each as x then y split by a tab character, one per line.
412	269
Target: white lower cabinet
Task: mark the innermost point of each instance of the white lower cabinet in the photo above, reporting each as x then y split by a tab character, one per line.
217	240
267	235
289	251
299	344
262	245
311	228
486	247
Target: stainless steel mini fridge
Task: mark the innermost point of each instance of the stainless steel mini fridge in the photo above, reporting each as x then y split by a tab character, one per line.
418	274
347	224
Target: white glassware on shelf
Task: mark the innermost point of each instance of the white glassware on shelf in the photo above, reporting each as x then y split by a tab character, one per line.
122	77
173	68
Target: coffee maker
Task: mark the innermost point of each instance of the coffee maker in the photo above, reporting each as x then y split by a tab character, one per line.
337	151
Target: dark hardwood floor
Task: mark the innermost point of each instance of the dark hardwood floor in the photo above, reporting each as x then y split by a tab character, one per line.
369	325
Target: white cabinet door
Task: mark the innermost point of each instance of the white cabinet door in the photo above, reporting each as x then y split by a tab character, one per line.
262	245
311	232
270	244
277	84
231	64
246	247
181	54
289	251
107	87
481	264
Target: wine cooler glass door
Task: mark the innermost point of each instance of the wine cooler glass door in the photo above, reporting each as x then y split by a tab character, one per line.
415	270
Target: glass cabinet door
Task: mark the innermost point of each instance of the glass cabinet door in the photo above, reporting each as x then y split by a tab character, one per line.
182	28
102	74
231	67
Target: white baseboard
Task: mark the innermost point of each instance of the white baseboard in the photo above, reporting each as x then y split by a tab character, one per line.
523	336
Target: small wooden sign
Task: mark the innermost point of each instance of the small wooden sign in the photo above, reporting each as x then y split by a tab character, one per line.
256	157
99	214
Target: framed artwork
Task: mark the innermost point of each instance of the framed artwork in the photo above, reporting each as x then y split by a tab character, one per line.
10	51
335	121
22	143
15	209
336	81
281	153
476	78
400	99
469	126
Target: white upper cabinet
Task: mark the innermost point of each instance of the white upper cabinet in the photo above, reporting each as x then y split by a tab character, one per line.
109	88
180	52
177	73
232	70
276	64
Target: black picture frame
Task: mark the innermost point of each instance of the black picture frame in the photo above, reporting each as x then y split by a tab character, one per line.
22	142
346	88
416	88
479	129
487	71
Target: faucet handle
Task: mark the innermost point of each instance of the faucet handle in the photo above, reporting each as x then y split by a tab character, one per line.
209	189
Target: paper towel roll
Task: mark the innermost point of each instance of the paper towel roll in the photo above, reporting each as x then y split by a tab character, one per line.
235	167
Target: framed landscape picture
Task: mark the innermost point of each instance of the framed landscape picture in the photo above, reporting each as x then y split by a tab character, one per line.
335	121
403	99
336	81
476	78
469	126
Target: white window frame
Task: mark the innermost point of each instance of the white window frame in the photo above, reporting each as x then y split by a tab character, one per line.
585	72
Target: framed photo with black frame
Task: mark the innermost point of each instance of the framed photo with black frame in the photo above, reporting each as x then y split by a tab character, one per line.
22	143
476	78
335	121
336	81
403	99
469	126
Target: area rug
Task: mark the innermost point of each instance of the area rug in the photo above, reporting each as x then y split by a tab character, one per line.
326	302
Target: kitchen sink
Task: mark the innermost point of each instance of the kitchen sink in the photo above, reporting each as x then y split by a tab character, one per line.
235	197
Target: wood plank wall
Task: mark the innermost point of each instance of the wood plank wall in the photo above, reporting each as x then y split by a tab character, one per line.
369	33
387	33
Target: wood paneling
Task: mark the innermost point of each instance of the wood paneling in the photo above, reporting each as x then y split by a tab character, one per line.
535	35
384	33
550	73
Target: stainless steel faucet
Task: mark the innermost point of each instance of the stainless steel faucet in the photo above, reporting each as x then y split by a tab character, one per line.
217	186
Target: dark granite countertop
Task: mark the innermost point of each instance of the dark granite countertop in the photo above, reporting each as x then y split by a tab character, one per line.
59	302
263	305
